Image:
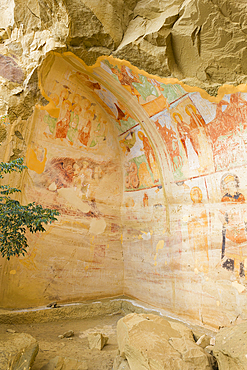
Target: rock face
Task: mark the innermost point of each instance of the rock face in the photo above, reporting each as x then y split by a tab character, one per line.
65	363
17	351
230	348
120	363
97	341
204	341
200	41
151	342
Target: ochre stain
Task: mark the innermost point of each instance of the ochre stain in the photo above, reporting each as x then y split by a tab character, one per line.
32	161
51	109
160	245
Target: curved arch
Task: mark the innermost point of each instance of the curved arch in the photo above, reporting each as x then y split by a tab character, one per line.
135	163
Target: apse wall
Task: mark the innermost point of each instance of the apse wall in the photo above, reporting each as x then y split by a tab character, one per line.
74	166
183	211
150	178
186	252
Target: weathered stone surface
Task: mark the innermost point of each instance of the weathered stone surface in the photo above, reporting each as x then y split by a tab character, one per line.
212	341
65	363
209	349
17	351
67	334
120	363
149	341
199	41
230	348
97	341
10	70
204	341
10	331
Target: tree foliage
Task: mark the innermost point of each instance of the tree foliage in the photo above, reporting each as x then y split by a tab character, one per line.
16	219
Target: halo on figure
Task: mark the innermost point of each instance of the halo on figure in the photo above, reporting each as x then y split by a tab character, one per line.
54	97
141	135
68	104
177	114
187	109
196	190
227	178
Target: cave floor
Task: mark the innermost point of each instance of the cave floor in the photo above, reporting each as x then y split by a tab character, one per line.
50	345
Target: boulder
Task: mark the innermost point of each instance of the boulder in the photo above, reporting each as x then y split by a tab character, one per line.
10	331
17	351
230	348
67	334
97	340
150	342
65	363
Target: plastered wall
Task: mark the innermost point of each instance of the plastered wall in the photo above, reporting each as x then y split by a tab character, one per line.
149	176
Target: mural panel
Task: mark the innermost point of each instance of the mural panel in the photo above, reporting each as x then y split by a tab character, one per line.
142	167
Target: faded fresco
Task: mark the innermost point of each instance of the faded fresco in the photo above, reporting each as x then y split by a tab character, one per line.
196	132
204	146
150	179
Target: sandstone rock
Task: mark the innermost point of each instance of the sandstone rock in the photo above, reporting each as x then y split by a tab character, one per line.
120	363
17	351
97	340
200	41
204	341
209	349
65	363
230	348
10	331
10	70
212	341
67	334
149	341
53	305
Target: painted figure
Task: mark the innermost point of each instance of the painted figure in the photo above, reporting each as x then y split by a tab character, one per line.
63	122
97	176
229	117
85	131
100	131
60	171
196	119
145	200
198	230
202	143
170	138
146	89
233	217
189	141
149	153
126	79
73	126
128	142
144	176
131	179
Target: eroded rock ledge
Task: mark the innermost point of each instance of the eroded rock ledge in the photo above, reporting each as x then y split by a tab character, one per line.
201	42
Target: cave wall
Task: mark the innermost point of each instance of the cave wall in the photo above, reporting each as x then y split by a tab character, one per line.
184	227
73	166
143	152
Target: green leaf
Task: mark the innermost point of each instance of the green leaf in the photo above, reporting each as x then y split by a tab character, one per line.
16	219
